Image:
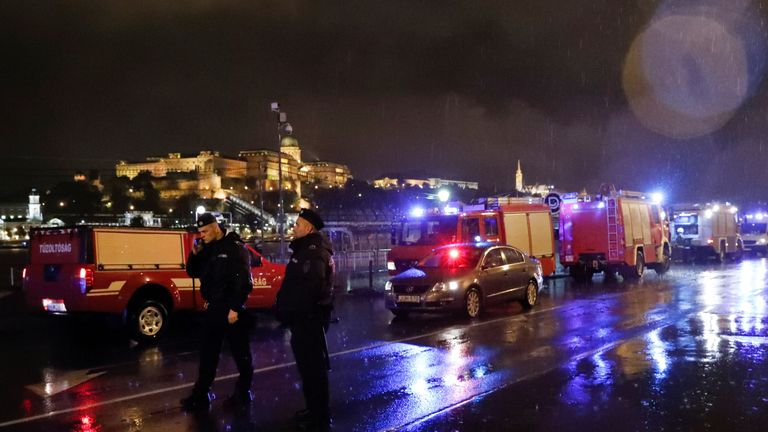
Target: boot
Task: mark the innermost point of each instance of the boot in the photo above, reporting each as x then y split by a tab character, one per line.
239	399
197	402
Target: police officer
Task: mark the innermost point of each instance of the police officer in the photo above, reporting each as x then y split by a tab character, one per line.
222	263
304	303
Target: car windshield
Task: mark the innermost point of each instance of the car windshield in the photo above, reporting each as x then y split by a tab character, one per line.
452	258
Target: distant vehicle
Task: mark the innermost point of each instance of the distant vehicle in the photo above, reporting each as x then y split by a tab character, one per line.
754	233
701	231
522	224
137	273
613	231
466	278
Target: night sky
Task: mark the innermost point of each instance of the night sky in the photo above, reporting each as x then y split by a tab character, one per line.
645	94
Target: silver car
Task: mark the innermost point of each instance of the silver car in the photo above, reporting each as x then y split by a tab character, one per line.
466	278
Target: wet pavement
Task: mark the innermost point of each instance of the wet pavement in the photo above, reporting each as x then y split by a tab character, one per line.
686	351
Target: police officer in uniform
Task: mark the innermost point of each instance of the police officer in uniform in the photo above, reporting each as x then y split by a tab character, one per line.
222	263
304	304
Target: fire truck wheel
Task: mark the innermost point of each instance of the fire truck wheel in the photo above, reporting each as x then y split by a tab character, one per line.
721	254
531	295
663	266
148	320
473	303
580	273
636	271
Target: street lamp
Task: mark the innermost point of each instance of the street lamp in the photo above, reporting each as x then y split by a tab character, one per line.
283	127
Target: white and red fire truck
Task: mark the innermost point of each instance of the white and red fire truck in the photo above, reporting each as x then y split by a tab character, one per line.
133	272
520	223
616	231
708	230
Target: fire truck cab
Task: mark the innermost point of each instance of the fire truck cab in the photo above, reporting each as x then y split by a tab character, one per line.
701	231
754	232
523	224
615	231
136	273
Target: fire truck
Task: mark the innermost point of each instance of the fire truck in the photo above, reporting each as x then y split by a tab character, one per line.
754	232
613	231
136	273
708	230
523	223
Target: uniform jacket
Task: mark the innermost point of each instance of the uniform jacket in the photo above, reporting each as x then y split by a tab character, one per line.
307	288
224	269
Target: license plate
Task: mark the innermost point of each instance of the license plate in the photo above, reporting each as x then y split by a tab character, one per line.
408	299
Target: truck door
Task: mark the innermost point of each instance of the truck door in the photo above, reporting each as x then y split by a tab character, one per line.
265	282
470	230
491	228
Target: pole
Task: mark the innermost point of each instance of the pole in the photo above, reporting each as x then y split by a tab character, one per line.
280	210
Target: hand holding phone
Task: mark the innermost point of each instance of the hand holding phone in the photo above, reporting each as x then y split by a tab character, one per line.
197	245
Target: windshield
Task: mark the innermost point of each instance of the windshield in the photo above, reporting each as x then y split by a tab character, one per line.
754	228
452	258
685	219
430	231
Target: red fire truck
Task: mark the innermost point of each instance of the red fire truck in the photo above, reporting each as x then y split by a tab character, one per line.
520	223
134	272
615	231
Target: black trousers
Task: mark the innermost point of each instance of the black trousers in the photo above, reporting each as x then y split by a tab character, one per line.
216	328
308	345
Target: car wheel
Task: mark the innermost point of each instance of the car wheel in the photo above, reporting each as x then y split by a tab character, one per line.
531	295
148	320
473	303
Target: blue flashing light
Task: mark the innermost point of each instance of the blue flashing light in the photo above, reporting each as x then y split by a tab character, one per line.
417	212
601	204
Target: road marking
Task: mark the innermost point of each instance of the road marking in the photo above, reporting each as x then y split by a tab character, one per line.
264	369
283	365
64	381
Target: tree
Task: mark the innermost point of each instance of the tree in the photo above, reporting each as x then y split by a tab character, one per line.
72	197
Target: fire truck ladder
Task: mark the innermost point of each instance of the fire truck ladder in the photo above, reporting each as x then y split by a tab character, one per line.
613	230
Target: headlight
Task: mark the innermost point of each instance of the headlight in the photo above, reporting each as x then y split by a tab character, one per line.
443	286
388	286
762	240
391	266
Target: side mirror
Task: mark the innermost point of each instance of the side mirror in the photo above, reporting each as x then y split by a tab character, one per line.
256	261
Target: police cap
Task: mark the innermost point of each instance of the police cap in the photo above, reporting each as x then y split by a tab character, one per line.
205	219
312	217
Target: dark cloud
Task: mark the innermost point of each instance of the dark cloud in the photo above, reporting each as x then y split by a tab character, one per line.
457	87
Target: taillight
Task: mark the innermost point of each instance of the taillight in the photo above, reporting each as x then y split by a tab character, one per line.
86	279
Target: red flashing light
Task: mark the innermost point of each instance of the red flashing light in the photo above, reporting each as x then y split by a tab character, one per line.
453	253
87	275
86	420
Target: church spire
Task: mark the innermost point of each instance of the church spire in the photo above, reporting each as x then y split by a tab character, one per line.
519	178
